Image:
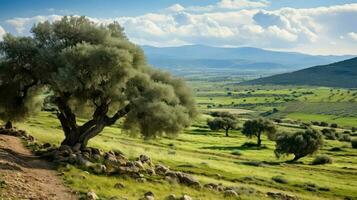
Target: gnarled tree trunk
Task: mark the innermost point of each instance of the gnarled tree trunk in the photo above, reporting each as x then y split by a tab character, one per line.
76	136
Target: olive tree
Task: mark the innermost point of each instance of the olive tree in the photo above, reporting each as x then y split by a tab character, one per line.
256	127
90	71
222	120
300	144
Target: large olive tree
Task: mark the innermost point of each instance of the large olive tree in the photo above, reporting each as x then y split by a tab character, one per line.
92	71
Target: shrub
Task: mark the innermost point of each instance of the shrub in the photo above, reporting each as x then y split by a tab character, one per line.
334	125
330	134
322	159
279	179
323	124
353	129
345	138
335	149
300	144
354	143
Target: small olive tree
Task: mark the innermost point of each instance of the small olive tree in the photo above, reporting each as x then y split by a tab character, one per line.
222	120
300	144
92	71
256	127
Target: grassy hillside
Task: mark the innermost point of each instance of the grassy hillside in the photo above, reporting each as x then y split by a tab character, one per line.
340	74
210	157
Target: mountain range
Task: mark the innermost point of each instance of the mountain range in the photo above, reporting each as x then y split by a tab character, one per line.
242	59
338	74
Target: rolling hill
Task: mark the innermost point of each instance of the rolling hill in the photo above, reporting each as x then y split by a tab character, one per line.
339	74
242	59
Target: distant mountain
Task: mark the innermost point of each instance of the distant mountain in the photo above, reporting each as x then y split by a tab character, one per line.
339	74
242	58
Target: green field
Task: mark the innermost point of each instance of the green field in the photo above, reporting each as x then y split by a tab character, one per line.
213	158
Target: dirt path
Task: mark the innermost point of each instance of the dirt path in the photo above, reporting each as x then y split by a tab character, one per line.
26	176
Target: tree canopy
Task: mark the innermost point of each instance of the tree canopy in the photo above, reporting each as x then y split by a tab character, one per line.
256	127
300	144
93	71
222	120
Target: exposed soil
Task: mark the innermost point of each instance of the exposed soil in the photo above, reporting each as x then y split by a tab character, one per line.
25	176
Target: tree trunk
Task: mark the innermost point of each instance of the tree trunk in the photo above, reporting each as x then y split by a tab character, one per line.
227	132
259	142
77	137
8	125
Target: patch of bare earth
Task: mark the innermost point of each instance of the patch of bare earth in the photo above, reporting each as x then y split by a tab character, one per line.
25	176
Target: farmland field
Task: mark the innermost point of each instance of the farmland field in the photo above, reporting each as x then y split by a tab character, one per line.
212	157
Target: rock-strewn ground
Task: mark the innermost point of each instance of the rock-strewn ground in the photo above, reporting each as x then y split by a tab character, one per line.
25	176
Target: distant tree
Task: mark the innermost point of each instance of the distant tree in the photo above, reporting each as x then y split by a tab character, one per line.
222	120
255	128
92	71
300	144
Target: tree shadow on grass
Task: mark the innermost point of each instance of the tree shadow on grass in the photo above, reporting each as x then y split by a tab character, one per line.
245	146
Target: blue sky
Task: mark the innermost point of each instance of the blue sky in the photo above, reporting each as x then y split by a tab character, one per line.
311	26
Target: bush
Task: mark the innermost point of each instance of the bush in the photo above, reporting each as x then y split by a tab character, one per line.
345	138
330	134
323	124
279	179
354	143
322	159
334	125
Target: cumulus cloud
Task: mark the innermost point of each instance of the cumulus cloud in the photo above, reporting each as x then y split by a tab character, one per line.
2	33
220	6
321	30
352	35
22	24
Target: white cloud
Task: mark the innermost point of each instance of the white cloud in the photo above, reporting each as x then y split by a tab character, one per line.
220	6
352	35
22	24
2	33
244	23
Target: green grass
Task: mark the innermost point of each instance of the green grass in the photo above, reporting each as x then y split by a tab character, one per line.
205	154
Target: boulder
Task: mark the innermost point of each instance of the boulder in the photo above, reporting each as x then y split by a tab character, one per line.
230	193
149	193
91	196
161	169
188	180
185	197
281	196
99	168
145	159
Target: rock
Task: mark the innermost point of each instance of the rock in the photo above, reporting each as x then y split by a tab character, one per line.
138	164
185	197
77	147
151	172
65	147
171	197
281	196
145	159
230	193
96	157
119	186
188	180
141	180
91	196
149	193
161	169
99	168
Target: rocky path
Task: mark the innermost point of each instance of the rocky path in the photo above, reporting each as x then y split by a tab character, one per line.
25	176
